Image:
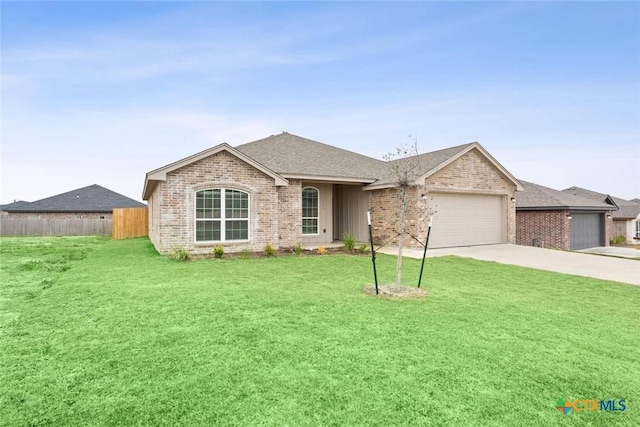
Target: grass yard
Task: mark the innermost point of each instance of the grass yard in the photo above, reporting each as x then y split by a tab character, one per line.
101	332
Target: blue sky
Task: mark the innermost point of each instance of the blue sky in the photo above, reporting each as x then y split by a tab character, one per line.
103	92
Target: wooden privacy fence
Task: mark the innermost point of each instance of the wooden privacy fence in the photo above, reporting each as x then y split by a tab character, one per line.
130	222
54	227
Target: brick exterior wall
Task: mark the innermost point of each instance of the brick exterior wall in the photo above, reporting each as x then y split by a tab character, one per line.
551	227
471	173
154	217
59	215
621	228
271	209
608	229
290	214
384	206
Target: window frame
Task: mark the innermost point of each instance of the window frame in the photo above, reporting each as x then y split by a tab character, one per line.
317	217
222	219
637	228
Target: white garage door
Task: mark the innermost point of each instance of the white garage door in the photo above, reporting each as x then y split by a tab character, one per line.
467	220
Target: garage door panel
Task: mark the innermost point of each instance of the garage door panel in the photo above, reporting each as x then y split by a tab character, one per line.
586	230
466	220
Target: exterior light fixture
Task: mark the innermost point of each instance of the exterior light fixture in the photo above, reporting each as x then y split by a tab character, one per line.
608	216
568	216
513	200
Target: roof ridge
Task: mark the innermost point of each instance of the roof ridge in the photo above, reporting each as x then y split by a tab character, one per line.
313	141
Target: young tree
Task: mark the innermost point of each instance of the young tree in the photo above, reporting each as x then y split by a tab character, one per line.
404	167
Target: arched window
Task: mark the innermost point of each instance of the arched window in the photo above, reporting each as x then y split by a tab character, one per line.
222	214
309	210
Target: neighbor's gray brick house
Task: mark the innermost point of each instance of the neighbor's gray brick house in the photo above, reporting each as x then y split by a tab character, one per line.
90	202
286	190
559	220
626	219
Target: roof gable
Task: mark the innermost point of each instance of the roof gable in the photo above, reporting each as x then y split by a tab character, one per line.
431	163
92	198
160	174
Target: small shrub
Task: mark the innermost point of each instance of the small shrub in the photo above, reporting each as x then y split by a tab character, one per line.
298	249
244	254
349	242
363	248
321	250
180	254
617	240
218	252
269	250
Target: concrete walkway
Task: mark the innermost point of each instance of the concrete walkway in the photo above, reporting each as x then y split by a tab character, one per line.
579	264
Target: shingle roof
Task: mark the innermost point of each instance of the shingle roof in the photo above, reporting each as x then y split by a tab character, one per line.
92	198
538	197
627	209
291	155
14	205
288	156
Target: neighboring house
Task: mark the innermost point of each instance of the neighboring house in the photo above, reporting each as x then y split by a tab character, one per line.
626	220
92	202
14	205
556	219
285	190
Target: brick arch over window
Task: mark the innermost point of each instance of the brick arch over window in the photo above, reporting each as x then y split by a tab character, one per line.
221	215
310	210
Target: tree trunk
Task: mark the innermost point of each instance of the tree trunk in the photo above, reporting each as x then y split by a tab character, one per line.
403	209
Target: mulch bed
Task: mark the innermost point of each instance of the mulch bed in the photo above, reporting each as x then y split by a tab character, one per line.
396	292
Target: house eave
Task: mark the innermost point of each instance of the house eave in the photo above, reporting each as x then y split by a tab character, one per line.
328	178
374	186
563	208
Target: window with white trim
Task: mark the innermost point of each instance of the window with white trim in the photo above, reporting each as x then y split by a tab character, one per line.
638	229
309	210
222	215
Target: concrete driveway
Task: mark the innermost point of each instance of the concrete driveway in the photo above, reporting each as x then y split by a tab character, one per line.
614	251
576	263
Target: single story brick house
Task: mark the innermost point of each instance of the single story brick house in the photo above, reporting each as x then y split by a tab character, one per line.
91	202
10	206
559	220
287	190
626	220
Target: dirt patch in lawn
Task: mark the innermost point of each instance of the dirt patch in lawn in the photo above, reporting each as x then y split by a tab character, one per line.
396	292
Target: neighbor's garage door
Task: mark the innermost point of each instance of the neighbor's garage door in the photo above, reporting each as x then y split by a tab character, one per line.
466	220
586	230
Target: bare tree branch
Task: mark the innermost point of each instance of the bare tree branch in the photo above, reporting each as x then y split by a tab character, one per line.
404	166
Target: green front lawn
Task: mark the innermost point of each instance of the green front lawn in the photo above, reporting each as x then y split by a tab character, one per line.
100	332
